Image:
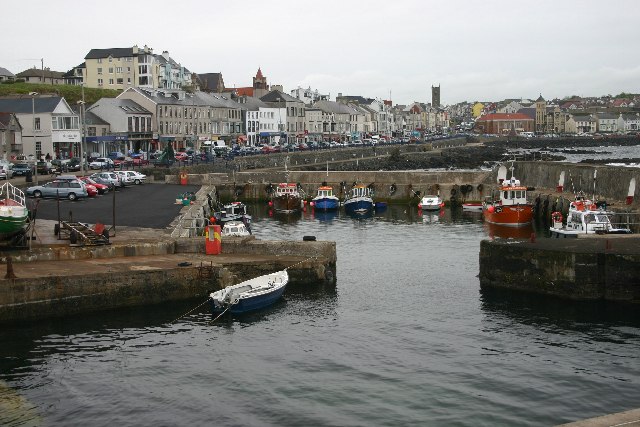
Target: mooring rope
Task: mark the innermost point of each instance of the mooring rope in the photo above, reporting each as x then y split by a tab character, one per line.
195	308
300	262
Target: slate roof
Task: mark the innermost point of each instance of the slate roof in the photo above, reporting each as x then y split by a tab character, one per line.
45	104
607	116
252	104
116	52
127	105
277	96
505	116
5	119
210	81
357	99
529	112
334	107
35	72
5	72
199	99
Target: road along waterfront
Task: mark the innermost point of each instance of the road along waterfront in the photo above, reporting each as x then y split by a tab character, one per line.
406	337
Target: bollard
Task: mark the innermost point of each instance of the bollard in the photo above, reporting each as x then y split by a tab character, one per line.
533	238
10	274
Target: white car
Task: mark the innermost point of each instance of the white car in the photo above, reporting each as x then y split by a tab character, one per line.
101	163
124	177
136	177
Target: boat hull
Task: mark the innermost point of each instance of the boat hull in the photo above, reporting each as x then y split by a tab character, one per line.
326	203
253	294
358	205
287	203
508	216
246	305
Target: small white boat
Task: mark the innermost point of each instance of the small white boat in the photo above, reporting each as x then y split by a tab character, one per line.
472	207
431	203
235	229
250	295
584	217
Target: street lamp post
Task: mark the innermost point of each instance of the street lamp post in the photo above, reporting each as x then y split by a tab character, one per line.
83	118
33	129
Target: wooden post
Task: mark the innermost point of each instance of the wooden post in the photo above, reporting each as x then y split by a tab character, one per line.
10	274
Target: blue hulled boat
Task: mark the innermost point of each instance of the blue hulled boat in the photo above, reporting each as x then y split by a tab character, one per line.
325	200
359	200
250	295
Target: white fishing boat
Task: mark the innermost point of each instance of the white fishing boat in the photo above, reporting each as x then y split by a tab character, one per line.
584	218
250	295
235	229
431	203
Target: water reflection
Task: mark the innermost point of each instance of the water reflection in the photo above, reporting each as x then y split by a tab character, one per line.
504	232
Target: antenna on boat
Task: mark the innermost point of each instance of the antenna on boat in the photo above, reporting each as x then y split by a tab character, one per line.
595	173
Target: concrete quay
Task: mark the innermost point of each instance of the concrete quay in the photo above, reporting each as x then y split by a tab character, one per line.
143	267
587	268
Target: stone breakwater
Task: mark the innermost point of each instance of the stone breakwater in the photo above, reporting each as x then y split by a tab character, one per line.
67	281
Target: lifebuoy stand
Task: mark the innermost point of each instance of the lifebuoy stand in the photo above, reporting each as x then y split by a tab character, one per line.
213	241
183	178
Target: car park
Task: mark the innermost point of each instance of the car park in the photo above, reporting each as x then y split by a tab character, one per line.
64	189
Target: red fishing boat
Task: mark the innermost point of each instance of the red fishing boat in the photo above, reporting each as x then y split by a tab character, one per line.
508	205
287	198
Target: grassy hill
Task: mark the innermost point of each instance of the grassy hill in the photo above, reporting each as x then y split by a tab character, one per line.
72	94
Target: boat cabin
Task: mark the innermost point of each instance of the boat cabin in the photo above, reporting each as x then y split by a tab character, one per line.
512	193
286	189
360	191
325	192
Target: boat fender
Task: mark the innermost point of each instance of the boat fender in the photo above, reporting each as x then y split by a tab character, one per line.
556	216
454	191
393	188
479	187
56	229
239	190
328	275
268	188
354	184
309	238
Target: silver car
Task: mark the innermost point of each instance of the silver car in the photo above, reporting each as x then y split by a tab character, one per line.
110	177
64	189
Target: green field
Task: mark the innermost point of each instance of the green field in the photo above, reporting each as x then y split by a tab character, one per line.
71	94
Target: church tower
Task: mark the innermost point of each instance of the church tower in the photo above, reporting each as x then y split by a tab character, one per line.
435	96
260	86
541	115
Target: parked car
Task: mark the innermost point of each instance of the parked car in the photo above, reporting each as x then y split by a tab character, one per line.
110	177
101	188
136	177
44	167
182	157
69	189
102	163
6	171
103	181
124	178
21	169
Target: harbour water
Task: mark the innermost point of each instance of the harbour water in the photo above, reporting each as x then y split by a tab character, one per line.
406	337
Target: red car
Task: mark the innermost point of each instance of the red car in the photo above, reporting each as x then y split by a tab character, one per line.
182	157
100	188
91	190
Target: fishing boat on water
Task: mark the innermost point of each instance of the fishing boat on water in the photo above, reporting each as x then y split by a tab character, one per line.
235	229
431	203
13	211
287	198
508	205
233	211
584	217
250	295
359	200
325	199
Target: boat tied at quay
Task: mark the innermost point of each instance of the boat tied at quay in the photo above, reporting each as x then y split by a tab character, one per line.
584	217
13	211
287	198
250	295
508	205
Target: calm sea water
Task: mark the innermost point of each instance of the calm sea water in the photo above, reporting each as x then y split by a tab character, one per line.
406	337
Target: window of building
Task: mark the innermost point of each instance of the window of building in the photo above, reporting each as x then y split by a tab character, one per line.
119	70
110	81
91	131
119	81
130	124
129	81
148	124
36	123
99	82
38	149
99	60
161	127
110	59
110	70
99	70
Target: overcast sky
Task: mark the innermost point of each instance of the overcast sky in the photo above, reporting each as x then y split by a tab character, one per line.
476	50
